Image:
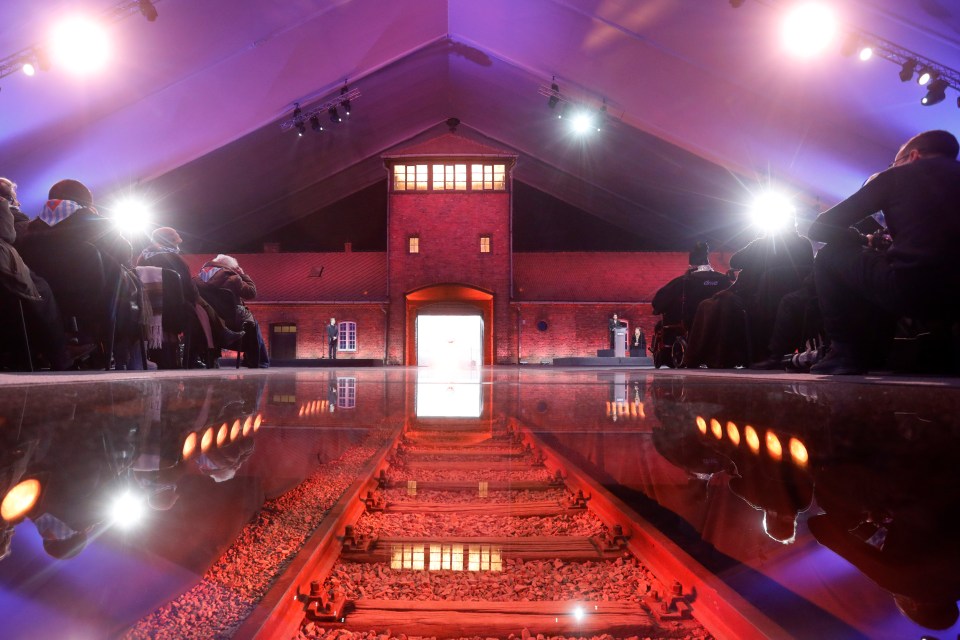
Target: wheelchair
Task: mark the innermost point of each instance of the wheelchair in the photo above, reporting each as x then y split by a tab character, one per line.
669	345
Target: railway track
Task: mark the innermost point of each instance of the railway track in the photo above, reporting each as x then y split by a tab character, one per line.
456	533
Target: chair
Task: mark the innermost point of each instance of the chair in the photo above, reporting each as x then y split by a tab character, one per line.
225	302
76	275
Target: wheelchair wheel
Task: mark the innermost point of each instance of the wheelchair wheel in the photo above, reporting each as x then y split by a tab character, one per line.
678	353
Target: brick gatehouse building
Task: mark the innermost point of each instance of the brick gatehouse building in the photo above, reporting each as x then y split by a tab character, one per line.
449	253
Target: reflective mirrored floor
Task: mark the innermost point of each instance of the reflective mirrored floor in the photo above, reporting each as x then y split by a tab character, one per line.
832	505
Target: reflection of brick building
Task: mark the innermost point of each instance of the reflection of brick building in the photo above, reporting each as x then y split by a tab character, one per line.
449	253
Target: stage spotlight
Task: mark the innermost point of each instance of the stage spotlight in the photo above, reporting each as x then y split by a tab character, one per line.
345	103
808	29
582	122
906	71
772	212
926	75
301	129
334	114
147	10
865	53
79	45
28	69
127	510
554	99
936	92
315	123
131	216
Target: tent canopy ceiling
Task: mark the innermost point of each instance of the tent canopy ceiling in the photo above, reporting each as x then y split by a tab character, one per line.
705	107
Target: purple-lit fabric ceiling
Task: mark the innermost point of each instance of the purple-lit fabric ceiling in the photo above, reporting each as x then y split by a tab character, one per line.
708	107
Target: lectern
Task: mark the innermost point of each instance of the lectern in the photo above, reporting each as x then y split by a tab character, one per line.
620	342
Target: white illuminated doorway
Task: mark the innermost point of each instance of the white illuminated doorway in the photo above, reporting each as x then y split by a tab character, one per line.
450	342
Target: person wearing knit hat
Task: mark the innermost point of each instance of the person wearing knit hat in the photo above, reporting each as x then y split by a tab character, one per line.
166	237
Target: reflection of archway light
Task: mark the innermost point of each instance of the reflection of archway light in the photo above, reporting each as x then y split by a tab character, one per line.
798	452
702	425
207	440
715	428
235	430
247	426
808	29
733	433
189	445
753	441
302	409
79	45
578	614
774	448
257	422
20	499
222	434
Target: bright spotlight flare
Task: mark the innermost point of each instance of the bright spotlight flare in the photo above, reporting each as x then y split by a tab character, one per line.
808	29
79	45
131	216
127	510
772	212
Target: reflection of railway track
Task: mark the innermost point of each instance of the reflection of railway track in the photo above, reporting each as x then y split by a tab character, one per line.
490	537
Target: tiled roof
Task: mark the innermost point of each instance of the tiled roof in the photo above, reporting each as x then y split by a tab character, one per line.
296	277
448	144
597	277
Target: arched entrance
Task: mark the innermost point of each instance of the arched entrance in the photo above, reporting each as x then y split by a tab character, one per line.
468	308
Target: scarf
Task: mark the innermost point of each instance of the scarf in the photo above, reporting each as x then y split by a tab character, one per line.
56	211
156	249
152	279
208	271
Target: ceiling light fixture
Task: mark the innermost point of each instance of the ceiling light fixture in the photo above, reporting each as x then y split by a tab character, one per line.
147	10
331	108
554	94
907	69
936	92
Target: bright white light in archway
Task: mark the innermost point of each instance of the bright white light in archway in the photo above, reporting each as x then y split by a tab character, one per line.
808	29
772	212
79	45
131	216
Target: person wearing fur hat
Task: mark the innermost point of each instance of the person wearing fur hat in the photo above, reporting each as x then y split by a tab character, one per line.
224	272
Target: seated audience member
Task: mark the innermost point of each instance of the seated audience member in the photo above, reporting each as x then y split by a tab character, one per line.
677	300
164	252
69	217
41	314
770	267
224	272
862	288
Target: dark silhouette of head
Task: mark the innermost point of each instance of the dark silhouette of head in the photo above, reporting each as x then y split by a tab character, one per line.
932	143
64	548
700	254
71	190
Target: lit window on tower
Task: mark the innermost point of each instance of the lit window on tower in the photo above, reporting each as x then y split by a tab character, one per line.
484	244
413	244
410	177
450	177
488	177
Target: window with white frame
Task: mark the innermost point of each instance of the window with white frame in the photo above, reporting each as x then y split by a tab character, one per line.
347	340
484	244
488	177
449	177
410	177
413	244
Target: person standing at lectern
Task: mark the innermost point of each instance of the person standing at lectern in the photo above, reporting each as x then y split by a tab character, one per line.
612	326
333	336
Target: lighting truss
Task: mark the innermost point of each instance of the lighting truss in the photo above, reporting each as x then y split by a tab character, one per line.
561	102
320	110
35	54
900	56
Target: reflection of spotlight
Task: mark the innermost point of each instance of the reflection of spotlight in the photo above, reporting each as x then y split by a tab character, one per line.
126	511
702	425
578	614
774	448
733	433
257	422
235	430
207	440
798	452
753	441
20	499
222	434
715	428
247	426
189	445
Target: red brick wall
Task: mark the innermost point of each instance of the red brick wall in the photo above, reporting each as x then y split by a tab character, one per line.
312	320
574	329
449	226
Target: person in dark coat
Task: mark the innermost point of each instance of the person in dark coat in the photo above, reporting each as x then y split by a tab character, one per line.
41	314
770	267
333	337
865	281
224	272
677	300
